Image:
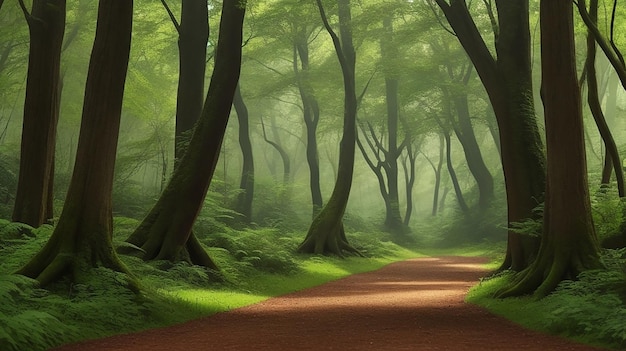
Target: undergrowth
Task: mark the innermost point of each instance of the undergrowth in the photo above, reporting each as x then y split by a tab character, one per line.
254	265
591	309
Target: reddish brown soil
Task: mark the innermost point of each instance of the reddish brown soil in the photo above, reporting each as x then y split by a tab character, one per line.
411	305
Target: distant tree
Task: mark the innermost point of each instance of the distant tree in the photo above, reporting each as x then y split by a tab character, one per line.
568	244
386	166
165	233
310	108
243	204
464	131
326	235
508	81
46	24
593	98
82	237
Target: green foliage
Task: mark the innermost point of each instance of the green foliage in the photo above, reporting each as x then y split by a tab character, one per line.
591	309
267	249
529	226
608	213
30	328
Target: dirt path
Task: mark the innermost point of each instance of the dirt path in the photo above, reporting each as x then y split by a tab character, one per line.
411	305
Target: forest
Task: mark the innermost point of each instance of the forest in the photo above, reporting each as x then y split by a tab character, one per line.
166	160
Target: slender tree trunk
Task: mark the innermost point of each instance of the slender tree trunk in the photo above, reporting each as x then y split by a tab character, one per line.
165	232
393	219
455	181
311	115
596	107
568	246
473	155
46	24
193	35
326	234
284	156
246	186
438	176
82	238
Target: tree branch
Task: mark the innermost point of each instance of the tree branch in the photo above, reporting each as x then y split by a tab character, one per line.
172	17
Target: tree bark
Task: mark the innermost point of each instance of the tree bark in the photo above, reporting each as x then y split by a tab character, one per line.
46	24
508	81
165	233
246	186
326	234
82	237
568	246
193	35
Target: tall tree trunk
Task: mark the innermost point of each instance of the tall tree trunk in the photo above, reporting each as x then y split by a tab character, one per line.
193	35
568	246
165	231
311	115
82	238
46	24
438	176
596	107
393	219
246	186
508	82
326	234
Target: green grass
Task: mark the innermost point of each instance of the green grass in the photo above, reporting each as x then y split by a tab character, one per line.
590	310
255	265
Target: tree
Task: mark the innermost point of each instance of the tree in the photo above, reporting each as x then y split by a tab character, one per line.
46	24
613	158
246	185
568	244
165	233
82	237
193	36
310	111
508	82
326	233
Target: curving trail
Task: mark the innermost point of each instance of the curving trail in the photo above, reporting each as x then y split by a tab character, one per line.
411	305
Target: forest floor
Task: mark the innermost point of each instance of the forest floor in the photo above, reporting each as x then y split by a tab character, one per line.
416	304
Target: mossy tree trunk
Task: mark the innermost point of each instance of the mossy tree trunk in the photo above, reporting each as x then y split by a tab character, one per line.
243	205
508	82
569	244
46	25
165	233
82	237
326	234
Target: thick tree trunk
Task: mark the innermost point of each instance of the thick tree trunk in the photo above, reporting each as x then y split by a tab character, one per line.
246	186
311	115
508	82
326	234
568	246
193	35
165	232
46	24
82	238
